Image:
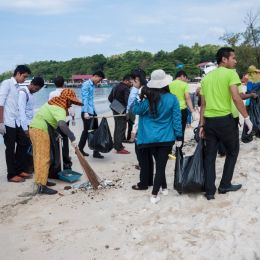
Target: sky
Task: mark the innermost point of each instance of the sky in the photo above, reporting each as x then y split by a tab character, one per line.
37	30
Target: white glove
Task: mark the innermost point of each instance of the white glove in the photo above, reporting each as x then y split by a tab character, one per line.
74	144
249	124
2	129
178	143
195	116
86	116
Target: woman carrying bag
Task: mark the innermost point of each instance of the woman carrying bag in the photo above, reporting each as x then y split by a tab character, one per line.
159	125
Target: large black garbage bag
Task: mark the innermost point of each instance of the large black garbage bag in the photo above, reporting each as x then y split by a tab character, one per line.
100	139
254	114
189	171
246	138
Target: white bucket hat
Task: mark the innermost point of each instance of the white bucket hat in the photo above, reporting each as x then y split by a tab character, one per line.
159	79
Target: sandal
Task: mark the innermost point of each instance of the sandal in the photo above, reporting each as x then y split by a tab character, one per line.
25	175
136	187
16	179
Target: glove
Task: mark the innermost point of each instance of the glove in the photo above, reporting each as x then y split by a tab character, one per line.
74	144
2	129
249	124
194	116
86	116
178	143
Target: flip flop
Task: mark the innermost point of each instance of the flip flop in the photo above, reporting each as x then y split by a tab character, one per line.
17	179
25	175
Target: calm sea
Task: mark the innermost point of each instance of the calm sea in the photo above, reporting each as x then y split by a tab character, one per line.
100	99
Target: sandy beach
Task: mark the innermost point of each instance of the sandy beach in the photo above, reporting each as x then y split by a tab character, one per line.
120	223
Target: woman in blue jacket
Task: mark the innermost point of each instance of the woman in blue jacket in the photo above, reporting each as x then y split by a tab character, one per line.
159	125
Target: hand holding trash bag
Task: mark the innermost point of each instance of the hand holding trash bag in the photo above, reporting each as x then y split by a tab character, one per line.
2	129
248	124
74	144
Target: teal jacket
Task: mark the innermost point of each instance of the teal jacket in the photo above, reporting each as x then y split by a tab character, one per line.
165	127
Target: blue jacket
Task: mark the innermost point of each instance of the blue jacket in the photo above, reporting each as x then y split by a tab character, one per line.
87	96
165	127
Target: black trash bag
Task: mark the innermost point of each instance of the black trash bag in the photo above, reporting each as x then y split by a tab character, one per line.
100	139
189	171
246	138
254	114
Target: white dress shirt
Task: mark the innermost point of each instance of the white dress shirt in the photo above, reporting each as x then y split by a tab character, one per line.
25	104
9	100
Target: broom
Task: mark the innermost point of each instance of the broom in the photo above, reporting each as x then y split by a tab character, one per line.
92	176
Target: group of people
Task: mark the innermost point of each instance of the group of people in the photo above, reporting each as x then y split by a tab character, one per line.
152	114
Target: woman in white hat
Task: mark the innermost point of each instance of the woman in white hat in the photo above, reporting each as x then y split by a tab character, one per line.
159	125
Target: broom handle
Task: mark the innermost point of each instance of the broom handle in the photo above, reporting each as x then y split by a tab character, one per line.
108	116
61	156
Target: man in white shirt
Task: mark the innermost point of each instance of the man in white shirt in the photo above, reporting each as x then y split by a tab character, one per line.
26	112
59	84
10	125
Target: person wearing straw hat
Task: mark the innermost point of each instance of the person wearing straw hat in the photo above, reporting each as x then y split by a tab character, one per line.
53	113
159	125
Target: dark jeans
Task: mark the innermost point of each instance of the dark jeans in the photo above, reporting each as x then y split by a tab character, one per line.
160	154
65	148
16	143
119	132
225	130
184	116
146	165
86	127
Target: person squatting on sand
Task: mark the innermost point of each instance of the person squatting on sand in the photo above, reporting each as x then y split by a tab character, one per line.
217	123
88	110
15	139
159	125
54	113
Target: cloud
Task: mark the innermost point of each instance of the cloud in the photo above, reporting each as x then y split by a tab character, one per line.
86	39
137	39
40	7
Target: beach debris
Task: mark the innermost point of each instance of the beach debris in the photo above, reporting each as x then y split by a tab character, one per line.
67	187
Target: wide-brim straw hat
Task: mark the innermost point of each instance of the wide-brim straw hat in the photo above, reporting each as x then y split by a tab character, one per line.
159	79
71	95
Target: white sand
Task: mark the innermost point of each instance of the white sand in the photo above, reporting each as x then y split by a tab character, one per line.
120	223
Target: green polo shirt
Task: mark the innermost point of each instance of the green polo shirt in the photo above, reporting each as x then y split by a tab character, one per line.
179	88
50	113
215	87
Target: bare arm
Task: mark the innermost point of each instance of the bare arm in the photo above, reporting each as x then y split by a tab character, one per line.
189	102
238	101
202	119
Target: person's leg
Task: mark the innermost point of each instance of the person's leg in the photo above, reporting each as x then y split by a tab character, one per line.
84	134
41	155
189	117
119	133
9	141
22	145
161	157
230	139
210	156
184	115
131	121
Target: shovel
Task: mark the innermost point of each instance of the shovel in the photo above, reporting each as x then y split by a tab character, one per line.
66	175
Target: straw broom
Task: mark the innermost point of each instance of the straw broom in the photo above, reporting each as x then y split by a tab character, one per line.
92	176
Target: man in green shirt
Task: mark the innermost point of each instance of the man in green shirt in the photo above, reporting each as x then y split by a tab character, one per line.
180	88
218	88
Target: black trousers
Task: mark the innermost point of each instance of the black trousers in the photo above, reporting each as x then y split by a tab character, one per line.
225	130
184	116
160	154
86	127
146	164
119	131
16	143
65	148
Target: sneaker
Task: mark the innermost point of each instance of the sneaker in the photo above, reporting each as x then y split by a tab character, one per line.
45	190
154	199
164	192
123	151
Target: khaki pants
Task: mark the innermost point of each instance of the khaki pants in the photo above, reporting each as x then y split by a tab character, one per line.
41	154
